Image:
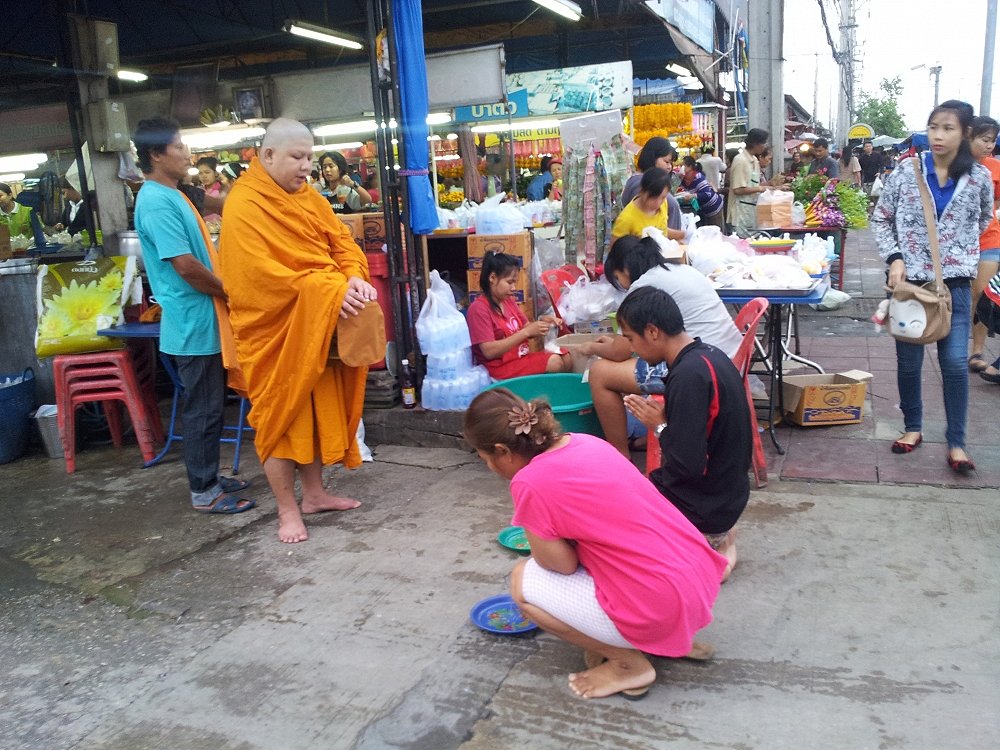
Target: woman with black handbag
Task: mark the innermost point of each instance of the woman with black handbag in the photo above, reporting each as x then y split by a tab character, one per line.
927	225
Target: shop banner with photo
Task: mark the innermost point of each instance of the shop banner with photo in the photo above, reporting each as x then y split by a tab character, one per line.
588	88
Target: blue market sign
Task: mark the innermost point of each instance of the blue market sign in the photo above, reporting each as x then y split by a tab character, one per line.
517	106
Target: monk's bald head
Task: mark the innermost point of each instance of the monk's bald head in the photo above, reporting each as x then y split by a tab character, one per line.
286	153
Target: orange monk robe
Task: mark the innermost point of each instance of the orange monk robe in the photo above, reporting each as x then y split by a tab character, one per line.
285	259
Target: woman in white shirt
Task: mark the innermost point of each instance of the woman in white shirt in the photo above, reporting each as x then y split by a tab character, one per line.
634	263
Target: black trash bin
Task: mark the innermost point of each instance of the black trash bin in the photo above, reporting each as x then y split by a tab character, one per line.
16	404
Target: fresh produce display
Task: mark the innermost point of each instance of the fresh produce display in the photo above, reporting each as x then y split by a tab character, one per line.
805	187
838	204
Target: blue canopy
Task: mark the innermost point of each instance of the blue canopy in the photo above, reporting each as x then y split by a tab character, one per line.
409	36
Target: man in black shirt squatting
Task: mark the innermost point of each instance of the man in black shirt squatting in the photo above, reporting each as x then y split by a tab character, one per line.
704	425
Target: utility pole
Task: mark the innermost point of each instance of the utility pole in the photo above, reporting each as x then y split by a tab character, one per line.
936	72
991	35
766	97
845	101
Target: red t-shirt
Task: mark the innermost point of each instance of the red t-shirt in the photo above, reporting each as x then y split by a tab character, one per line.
990	238
485	324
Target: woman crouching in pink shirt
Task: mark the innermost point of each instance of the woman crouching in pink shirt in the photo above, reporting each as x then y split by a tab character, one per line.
614	568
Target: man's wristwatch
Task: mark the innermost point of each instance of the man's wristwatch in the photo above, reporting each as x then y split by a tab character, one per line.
659	429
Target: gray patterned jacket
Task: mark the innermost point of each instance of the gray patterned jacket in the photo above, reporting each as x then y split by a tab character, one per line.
899	226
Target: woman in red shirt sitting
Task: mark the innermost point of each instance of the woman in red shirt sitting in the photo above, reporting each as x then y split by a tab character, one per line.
500	332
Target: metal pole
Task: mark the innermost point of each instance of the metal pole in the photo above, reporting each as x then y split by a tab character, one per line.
991	35
936	72
765	98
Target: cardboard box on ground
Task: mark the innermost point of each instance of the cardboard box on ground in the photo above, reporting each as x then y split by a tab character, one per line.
826	399
520	246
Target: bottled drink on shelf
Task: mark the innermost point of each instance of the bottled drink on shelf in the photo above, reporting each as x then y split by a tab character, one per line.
409	386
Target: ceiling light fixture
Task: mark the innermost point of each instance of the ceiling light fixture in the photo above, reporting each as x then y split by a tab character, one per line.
209	138
13	177
337	146
678	69
565	8
345	128
22	162
132	75
322	34
438	118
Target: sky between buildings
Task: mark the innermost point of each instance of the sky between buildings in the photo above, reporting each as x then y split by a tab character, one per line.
893	37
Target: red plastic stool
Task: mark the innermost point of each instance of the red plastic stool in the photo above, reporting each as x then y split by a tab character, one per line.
106	377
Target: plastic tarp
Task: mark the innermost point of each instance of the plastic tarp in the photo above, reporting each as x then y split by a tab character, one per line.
409	34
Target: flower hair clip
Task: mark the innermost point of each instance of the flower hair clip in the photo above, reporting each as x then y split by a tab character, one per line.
522	419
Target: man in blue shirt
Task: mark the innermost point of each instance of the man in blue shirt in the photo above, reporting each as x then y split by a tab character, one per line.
536	188
179	270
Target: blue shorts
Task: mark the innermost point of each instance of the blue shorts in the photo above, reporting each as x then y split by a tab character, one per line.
990	255
650	377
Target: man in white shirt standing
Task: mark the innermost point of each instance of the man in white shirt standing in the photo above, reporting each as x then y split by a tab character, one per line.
712	166
744	184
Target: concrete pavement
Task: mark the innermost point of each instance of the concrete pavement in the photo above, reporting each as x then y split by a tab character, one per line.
860	616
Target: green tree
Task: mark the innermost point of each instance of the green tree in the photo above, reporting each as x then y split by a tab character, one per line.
881	112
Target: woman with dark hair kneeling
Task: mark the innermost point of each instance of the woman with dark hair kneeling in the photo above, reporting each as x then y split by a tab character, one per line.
616	578
500	332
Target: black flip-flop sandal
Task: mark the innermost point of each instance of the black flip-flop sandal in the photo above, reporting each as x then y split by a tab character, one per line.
982	364
227	505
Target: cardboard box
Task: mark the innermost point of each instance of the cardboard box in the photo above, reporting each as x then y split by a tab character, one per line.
826	399
356	225
374	232
519	245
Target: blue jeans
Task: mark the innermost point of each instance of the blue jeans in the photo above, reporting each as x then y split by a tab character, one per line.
952	353
204	380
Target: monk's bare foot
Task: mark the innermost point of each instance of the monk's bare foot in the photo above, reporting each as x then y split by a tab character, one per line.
593	659
632	673
291	528
728	551
323	503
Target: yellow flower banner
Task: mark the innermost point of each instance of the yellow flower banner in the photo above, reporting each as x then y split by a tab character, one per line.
75	300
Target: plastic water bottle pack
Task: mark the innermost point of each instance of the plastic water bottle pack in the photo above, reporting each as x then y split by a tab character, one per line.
452	381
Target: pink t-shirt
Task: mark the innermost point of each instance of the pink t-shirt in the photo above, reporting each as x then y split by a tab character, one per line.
486	325
655	575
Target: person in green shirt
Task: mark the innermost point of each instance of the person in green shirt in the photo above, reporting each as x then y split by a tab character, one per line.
13	214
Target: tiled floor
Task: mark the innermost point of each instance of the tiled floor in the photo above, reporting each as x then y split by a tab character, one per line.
844	340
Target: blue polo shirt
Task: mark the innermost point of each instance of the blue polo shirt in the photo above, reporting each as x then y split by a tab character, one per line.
168	228
941	194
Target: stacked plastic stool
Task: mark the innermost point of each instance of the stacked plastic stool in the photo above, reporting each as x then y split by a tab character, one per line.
109	378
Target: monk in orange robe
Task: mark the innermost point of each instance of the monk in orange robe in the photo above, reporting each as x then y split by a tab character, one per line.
292	270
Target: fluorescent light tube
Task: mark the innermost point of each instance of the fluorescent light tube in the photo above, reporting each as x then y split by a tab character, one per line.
337	146
565	8
132	75
21	162
322	34
345	128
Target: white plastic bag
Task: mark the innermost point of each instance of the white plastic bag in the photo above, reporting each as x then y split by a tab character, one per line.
587	300
669	249
447	219
798	213
441	326
364	450
495	217
834	299
877	187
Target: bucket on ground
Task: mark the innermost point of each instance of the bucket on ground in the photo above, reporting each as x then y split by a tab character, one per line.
16	402
566	392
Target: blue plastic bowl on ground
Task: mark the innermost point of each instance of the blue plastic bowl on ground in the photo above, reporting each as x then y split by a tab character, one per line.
566	392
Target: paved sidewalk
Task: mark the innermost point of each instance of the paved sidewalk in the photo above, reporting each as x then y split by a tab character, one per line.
846	339
857	618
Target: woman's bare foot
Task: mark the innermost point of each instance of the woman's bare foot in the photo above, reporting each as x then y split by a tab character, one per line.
728	550
291	528
593	659
633	672
325	502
